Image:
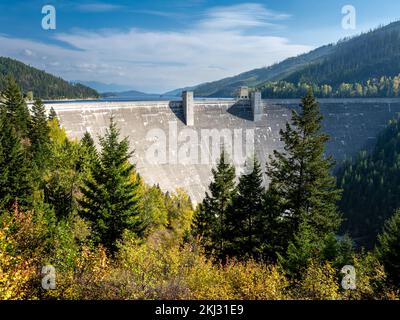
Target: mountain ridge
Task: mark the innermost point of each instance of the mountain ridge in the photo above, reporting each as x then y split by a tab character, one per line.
374	53
42	84
102	87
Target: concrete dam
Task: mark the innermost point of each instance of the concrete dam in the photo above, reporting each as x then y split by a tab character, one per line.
176	143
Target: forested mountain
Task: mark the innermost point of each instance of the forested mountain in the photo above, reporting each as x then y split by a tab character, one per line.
371	186
226	87
43	85
370	55
353	61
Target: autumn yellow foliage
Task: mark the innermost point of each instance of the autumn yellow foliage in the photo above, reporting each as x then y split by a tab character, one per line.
161	266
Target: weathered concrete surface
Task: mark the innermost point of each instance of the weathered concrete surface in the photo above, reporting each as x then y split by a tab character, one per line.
351	123
188	106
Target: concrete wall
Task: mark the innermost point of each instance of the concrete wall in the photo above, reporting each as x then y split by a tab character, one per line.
188	107
256	106
352	125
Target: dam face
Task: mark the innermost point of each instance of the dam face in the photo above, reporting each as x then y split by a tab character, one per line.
176	153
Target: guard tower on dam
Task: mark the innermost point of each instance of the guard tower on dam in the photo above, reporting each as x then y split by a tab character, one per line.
188	107
254	99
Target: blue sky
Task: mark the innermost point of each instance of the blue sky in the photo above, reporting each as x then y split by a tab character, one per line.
155	46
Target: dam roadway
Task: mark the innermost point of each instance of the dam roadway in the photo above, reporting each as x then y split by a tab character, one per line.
177	149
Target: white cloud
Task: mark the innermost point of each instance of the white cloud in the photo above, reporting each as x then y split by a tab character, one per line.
246	15
160	60
97	7
29	52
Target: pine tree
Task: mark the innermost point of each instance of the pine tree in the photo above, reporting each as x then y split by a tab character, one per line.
17	110
246	217
87	140
301	251
389	247
15	181
308	247
110	197
211	216
39	134
300	175
275	233
52	114
89	152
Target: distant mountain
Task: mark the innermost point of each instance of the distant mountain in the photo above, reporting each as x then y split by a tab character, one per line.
105	87
178	92
127	94
371	55
42	84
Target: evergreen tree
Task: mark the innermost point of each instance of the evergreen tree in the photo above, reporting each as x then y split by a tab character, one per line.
211	217
301	251
87	140
39	134
245	218
52	114
308	247
274	227
110	197
389	247
15	181
89	152
16	108
300	175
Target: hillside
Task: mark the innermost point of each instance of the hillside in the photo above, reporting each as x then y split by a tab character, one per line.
371	55
371	187
43	85
226	87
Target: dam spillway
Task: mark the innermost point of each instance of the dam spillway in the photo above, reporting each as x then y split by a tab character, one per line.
155	127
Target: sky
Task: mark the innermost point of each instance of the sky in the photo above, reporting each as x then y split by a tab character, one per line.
159	45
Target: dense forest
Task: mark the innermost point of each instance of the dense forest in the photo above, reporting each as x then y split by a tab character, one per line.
370	55
87	213
383	87
371	186
35	83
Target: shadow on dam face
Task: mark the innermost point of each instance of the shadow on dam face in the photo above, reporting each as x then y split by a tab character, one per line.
160	125
241	109
177	110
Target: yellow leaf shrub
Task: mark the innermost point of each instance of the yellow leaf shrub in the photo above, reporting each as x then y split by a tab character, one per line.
256	281
320	282
15	272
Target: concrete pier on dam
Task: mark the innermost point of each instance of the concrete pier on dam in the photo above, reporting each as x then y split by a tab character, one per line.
176	143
